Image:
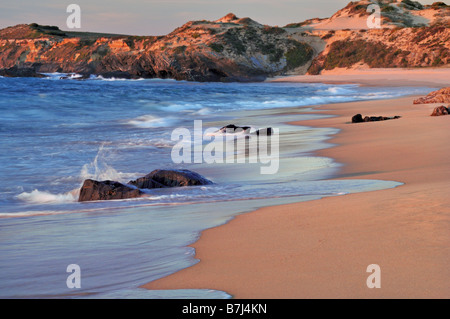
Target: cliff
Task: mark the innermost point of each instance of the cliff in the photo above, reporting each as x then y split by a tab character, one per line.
229	49
238	49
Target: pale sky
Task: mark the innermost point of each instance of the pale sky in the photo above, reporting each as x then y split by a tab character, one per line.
159	17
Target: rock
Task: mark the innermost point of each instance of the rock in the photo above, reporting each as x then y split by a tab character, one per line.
106	190
16	71
170	178
374	118
357	118
439	96
440	110
231	128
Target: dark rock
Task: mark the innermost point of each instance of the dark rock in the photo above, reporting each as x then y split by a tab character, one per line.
231	128
106	190
170	178
16	71
440	110
357	118
374	118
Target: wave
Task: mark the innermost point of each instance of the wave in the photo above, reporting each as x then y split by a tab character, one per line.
100	170
151	121
112	79
338	90
62	76
42	197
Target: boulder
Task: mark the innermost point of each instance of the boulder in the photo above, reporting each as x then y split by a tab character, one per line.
106	190
170	178
357	118
440	110
439	96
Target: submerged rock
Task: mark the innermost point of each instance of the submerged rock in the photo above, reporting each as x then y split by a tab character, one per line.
170	178
106	190
440	110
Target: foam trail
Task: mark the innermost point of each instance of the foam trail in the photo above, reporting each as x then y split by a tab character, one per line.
149	121
42	197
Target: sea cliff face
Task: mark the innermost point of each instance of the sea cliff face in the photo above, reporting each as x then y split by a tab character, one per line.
229	49
238	49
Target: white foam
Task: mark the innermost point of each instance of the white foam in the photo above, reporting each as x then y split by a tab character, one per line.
150	121
30	213
42	197
61	76
100	170
112	79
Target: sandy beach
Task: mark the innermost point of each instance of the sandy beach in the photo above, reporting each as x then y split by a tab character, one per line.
432	77
321	248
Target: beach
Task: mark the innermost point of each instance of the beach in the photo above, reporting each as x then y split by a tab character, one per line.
322	248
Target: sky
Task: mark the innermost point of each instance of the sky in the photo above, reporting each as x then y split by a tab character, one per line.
159	17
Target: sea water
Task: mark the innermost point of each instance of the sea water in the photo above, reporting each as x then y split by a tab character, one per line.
54	133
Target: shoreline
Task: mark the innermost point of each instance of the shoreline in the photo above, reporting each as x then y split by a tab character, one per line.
321	248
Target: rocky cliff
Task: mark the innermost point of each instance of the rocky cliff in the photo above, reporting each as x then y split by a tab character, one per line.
238	49
229	49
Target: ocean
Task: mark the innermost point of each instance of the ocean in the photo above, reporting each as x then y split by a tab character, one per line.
55	133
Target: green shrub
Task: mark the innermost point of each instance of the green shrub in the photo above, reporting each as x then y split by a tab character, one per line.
276	56
412	4
439	4
344	54
300	54
216	47
232	38
273	30
180	49
388	9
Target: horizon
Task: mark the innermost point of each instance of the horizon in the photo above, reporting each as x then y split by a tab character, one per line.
158	17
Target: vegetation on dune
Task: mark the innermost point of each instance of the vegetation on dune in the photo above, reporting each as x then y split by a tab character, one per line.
232	37
273	30
344	54
40	30
299	55
439	4
412	5
180	50
216	47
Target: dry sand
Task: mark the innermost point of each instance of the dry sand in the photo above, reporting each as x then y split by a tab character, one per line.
432	77
321	248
